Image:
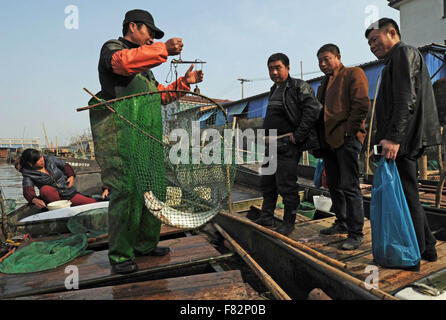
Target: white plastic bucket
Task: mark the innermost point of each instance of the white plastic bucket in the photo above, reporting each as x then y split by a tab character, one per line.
322	203
58	204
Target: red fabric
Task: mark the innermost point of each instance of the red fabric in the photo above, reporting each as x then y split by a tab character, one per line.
128	62
50	194
168	97
29	193
68	171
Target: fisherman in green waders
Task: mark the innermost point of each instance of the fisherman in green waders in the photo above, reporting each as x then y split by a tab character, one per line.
124	69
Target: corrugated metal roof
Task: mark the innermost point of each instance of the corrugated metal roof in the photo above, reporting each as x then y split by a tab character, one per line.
431	53
395	3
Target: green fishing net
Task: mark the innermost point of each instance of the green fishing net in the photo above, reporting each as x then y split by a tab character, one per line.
181	155
45	255
92	223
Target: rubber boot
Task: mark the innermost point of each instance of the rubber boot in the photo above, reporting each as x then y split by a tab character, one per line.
289	218
266	218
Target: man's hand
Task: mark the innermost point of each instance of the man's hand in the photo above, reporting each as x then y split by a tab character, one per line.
40	204
390	149
104	194
70	181
192	77
174	46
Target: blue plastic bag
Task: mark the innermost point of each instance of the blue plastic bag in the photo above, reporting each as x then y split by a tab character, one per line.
394	242
317	180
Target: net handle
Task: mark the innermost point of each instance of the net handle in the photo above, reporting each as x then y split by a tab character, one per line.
151	93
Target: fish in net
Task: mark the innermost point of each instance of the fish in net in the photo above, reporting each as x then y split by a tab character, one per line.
180	156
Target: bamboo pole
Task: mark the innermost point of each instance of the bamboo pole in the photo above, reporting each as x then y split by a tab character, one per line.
289	241
101	237
372	116
348	278
4	233
319	260
7	255
258	270
423	167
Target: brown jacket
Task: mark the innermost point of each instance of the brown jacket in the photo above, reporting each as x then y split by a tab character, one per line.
346	105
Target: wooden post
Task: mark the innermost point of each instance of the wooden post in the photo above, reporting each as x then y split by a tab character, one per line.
423	167
367	152
440	153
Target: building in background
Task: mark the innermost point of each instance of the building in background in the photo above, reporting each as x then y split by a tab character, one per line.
422	22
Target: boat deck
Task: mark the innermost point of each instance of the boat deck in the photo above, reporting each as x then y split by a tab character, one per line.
226	285
358	260
184	274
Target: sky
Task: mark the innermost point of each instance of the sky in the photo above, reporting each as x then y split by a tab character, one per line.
48	56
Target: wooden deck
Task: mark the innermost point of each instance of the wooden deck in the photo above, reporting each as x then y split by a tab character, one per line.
226	285
96	267
390	280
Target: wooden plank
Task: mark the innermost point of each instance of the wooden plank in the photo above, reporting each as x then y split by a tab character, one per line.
165	231
227	285
394	279
96	265
330	244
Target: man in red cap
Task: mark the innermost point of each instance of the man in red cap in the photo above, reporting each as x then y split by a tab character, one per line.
125	69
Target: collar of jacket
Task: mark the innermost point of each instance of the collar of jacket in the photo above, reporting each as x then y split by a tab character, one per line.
128	43
334	75
32	172
390	53
288	84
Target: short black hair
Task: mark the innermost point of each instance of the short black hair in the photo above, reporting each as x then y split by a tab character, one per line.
330	47
383	23
29	158
279	57
125	28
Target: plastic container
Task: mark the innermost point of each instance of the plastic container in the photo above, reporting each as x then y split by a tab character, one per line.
322	203
58	205
306	209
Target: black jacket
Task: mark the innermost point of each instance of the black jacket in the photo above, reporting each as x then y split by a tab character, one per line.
303	109
406	112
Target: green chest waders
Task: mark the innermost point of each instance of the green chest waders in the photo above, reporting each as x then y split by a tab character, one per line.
120	154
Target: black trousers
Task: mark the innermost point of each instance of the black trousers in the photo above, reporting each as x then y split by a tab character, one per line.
407	169
342	170
284	180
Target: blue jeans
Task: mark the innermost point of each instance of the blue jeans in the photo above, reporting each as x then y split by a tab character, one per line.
342	170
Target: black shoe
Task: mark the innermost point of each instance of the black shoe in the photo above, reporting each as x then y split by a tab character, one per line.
285	228
351	243
157	251
125	267
430	255
334	229
266	221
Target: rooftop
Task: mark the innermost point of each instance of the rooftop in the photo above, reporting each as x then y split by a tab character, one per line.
395	3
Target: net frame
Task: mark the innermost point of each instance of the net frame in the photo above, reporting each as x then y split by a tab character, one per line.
156	207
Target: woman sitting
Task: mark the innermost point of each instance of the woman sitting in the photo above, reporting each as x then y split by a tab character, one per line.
53	176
